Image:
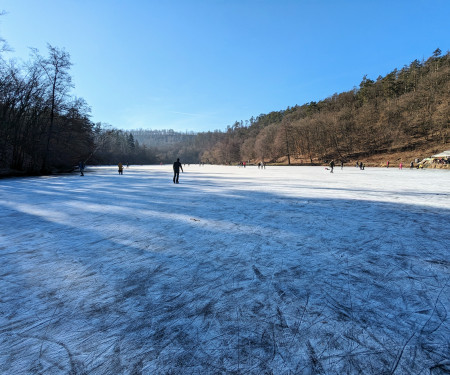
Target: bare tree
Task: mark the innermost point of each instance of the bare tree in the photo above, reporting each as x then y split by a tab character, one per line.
55	70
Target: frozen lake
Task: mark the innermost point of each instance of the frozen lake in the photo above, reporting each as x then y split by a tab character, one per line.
287	270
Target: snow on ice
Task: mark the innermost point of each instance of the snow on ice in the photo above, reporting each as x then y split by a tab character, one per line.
287	270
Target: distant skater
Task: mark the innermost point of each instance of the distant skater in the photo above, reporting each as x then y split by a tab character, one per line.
81	166
176	171
120	165
332	166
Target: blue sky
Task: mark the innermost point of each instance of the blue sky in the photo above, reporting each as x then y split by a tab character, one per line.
202	65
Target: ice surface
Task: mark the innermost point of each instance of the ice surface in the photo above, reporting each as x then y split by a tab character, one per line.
287	270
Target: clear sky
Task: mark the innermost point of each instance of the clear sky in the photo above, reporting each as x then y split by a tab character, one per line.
202	65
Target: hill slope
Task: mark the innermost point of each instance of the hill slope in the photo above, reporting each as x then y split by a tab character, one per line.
399	117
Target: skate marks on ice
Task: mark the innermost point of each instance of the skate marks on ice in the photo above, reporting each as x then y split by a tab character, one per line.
105	278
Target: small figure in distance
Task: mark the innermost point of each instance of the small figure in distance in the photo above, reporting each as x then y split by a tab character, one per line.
332	166
81	166
176	171
120	165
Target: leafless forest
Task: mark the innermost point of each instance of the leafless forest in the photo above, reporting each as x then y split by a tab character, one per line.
44	129
407	109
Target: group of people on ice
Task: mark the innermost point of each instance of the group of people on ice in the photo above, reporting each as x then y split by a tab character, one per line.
332	164
177	166
360	165
176	170
411	165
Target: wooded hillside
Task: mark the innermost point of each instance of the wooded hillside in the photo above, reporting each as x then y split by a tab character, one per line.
406	111
401	116
43	129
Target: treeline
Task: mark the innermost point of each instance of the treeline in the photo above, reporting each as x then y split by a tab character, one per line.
44	129
169	144
403	110
160	138
113	145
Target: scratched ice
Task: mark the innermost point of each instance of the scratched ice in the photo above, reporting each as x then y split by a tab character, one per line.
287	270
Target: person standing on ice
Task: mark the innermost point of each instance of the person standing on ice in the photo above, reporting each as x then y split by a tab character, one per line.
176	171
120	165
81	166
332	166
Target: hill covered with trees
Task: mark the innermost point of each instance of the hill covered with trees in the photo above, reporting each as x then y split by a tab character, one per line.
403	115
43	129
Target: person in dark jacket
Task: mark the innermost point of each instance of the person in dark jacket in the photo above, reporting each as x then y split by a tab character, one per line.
176	171
81	166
